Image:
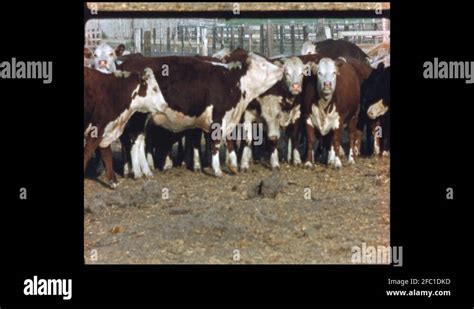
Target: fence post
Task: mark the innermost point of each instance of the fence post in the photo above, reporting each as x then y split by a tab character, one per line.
305	33
138	40
198	39
181	31
269	39
262	44
222	37
250	39
241	37
292	34
214	39
282	36
204	41
168	39
231	37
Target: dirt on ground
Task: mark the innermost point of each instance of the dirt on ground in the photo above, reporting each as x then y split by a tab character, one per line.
294	215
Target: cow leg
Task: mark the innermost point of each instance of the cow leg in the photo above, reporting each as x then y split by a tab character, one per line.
137	173
181	152
216	164
247	142
352	139
149	152
168	162
376	133
142	159
126	150
293	145
89	148
310	140
107	160
194	137
334	152
274	162
231	156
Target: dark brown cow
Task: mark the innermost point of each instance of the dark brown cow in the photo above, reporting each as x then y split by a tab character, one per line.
109	102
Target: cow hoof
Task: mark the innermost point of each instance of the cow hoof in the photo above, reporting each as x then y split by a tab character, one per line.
149	175
233	169
337	163
244	168
351	160
308	165
113	184
386	153
218	173
137	175
197	169
276	168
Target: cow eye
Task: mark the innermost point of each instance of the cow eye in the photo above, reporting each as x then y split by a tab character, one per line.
155	89
111	54
95	55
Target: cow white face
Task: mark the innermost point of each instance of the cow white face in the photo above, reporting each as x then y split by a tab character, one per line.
153	100
104	58
327	71
260	76
308	48
294	73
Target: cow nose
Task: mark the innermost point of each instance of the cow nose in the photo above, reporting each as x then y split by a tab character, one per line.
103	63
327	84
295	85
371	115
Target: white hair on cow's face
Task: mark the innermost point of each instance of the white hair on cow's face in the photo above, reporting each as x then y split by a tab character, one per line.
104	58
308	48
294	73
327	75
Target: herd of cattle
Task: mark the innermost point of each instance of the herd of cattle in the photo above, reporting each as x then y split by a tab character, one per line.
151	103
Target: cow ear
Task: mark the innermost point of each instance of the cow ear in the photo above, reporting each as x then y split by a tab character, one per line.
340	61
278	63
87	53
119	50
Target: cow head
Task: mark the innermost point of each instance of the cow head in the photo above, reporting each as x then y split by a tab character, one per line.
147	98
260	75
294	73
308	48
326	73
105	56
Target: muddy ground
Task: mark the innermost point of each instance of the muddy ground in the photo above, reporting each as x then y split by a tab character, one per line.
257	217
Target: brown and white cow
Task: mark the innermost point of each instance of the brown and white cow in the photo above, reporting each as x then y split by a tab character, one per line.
209	95
109	102
279	107
331	103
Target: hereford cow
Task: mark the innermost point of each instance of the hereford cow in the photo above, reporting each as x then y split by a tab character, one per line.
331	103
109	102
104	57
209	95
279	107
